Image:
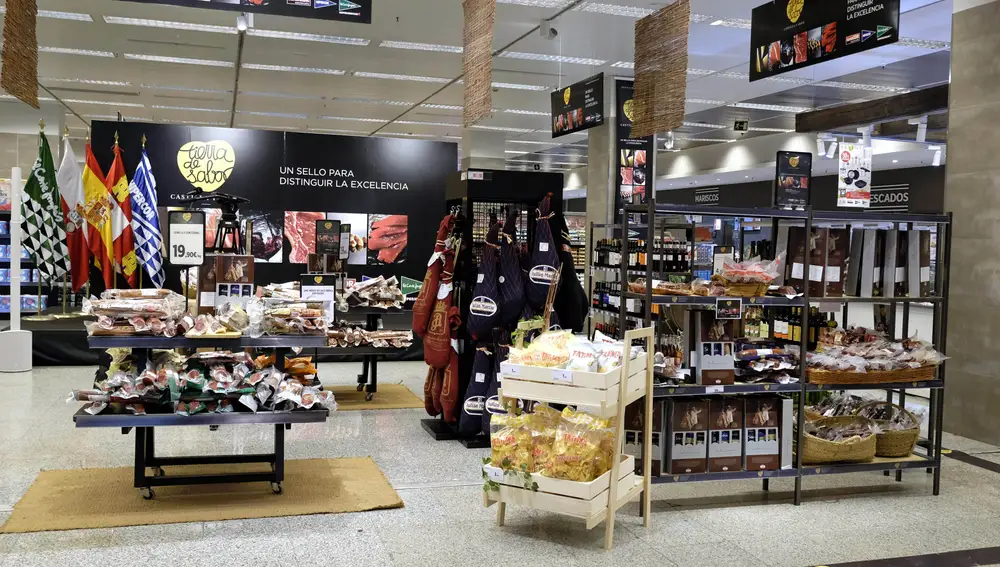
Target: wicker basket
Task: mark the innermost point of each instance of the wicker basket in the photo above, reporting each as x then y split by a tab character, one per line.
812	415
895	442
821	376
817	451
737	289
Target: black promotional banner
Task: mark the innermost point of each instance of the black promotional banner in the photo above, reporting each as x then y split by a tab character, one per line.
633	172
792	34
359	11
793	174
578	106
389	191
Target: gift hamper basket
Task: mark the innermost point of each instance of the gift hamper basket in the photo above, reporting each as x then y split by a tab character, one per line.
842	439
899	428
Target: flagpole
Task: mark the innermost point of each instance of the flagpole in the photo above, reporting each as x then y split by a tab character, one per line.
39	315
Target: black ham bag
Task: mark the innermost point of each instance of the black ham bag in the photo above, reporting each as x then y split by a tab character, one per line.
544	258
471	420
492	404
511	279
484	311
571	303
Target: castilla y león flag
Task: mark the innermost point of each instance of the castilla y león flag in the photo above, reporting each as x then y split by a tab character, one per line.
121	221
71	189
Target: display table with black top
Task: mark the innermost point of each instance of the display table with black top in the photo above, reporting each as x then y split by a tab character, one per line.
145	425
368	379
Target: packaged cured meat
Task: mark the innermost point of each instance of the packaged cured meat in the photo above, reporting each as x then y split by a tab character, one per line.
471	417
428	291
544	258
484	311
511	278
437	341
492	406
449	390
430	406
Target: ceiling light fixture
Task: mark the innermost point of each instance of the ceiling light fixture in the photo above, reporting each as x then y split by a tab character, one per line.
712	140
419	123
416	46
623	65
443	106
398	77
105	103
373	101
614	9
526	112
72	51
274	114
287	69
552	58
922	43
13	98
281	95
180	60
355	119
832	151
533	142
86	81
820	147
338	131
936	162
503	129
113	117
142	22
705	101
779	130
185	89
774	107
299	36
703	125
195	122
537	3
269	127
189	109
520	87
732	23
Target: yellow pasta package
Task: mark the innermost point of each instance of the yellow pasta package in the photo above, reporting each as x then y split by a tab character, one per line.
543	424
510	440
575	448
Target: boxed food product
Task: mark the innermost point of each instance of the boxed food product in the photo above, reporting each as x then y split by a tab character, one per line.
26	275
687	435
4	304
4	251
725	435
715	363
761	419
4	275
4	227
918	265
786	435
635	426
838	249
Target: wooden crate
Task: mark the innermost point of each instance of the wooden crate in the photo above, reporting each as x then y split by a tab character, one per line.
592	511
595	380
602	403
581	490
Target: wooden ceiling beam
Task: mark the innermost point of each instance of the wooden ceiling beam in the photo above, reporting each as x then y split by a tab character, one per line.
909	105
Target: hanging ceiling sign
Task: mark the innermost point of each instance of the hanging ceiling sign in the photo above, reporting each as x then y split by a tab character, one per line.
854	183
793	174
578	106
359	11
791	34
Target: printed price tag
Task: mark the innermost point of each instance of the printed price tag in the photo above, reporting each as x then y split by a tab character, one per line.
715	389
480	278
565	376
186	238
499	377
510	369
493	473
480	377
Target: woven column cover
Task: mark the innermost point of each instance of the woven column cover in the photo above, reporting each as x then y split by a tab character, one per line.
20	51
661	60
477	59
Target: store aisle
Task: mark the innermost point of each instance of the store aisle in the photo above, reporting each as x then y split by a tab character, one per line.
444	523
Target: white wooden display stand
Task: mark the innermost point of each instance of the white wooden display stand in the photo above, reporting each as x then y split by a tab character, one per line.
15	344
605	395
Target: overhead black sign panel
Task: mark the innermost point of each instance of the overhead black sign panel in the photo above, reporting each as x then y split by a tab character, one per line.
793	175
634	172
792	34
578	106
359	11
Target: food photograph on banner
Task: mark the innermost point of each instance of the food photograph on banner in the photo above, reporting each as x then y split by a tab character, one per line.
578	106
633	155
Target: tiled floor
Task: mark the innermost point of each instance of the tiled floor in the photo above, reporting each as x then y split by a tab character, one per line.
844	518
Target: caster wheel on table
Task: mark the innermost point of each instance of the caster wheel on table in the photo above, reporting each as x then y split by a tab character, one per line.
147	493
361	387
157	471
276	487
369	396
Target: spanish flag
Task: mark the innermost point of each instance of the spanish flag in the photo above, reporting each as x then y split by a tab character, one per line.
97	212
126	262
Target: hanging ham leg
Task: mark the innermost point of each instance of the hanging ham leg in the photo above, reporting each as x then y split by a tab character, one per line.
428	291
437	341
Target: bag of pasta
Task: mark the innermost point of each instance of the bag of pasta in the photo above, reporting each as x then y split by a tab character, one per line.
510	440
542	423
575	449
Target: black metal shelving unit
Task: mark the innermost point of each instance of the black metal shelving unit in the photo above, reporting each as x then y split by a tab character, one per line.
930	460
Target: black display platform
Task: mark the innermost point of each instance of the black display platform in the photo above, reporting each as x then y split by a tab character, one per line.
58	342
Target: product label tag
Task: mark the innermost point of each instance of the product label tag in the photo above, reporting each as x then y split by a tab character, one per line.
542	275
474	405
480	377
510	369
564	376
480	278
493	473
543	246
715	389
483	306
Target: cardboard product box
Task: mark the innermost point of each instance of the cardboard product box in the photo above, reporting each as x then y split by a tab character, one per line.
902	246
818	242
233	279
918	265
761	433
838	247
634	429
715	362
852	285
786	434
796	263
687	436
725	434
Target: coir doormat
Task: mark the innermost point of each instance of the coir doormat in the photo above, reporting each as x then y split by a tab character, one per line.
105	498
389	396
